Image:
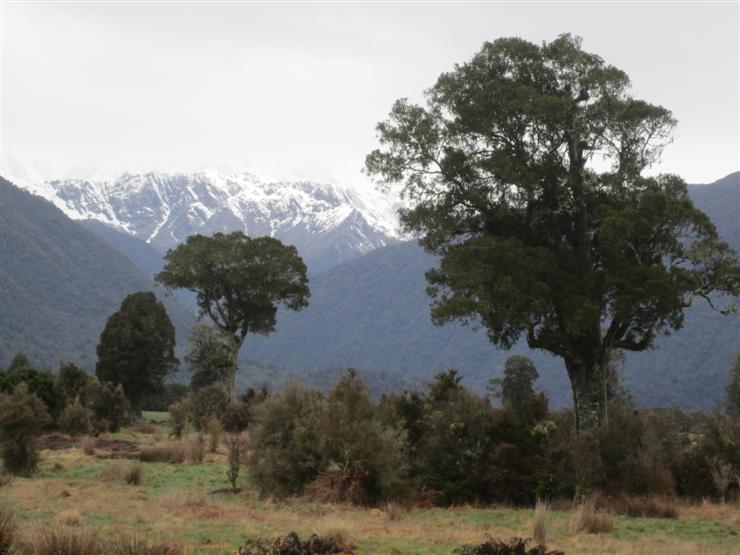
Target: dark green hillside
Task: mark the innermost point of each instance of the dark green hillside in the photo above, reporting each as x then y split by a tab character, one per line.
373	312
58	283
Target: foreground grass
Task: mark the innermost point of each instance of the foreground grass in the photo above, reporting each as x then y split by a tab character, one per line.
178	503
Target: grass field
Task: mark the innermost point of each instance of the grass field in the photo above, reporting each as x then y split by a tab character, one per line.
175	502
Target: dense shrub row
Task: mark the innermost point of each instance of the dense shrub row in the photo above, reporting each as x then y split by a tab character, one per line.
73	402
447	445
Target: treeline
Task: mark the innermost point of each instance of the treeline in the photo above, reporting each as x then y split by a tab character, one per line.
447	445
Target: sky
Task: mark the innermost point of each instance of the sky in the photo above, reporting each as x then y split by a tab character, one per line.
294	90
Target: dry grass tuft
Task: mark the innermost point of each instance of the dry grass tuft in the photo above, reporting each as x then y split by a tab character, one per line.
191	449
69	517
8	530
63	541
646	507
164	451
87	444
395	512
144	428
539	522
589	519
131	474
137	545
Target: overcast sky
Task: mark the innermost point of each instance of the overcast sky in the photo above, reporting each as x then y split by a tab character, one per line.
295	90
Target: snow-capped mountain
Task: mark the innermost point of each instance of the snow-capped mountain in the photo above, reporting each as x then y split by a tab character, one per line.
327	223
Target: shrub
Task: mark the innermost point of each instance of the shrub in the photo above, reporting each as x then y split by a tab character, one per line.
8	531
285	453
179	415
72	383
22	417
292	545
76	420
38	383
589	519
516	546
237	417
206	403
109	404
132	475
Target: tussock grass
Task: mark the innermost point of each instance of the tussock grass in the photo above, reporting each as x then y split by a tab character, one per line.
62	541
539	522
587	518
190	449
8	531
69	517
87	444
131	474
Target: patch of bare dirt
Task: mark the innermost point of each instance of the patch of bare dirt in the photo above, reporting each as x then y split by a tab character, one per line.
104	448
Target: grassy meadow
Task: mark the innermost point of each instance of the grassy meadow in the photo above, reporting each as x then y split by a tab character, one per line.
189	504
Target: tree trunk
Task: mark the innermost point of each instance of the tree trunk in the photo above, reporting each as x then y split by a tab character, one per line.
231	378
587	396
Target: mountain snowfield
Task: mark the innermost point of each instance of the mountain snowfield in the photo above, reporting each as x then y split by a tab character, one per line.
328	223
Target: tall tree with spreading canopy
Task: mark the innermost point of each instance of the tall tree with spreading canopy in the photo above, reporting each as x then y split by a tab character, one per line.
239	282
137	347
525	168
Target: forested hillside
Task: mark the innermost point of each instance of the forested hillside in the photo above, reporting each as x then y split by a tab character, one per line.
59	283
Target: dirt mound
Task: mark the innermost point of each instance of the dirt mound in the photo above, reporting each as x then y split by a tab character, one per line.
104	448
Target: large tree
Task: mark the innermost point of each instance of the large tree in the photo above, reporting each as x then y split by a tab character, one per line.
525	171
136	347
239	282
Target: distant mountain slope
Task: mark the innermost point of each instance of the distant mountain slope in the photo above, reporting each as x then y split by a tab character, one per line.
59	283
373	312
327	223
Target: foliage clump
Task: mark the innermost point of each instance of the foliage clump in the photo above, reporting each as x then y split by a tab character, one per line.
23	416
293	545
515	546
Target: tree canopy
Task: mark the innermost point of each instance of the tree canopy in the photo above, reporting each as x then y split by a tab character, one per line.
525	168
136	348
239	282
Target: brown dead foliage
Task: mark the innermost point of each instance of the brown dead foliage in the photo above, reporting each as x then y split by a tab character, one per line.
292	545
342	485
515	546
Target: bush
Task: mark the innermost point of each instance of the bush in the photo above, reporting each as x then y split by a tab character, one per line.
72	383
206	403
38	383
109	405
76	420
22	418
292	545
285	453
234	460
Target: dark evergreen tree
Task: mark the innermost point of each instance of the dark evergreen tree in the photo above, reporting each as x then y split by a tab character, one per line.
20	360
517	385
136	347
239	283
533	240
72	382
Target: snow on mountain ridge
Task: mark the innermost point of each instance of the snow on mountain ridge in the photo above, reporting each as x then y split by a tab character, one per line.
327	222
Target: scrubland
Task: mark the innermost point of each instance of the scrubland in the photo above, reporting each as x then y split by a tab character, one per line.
186	505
